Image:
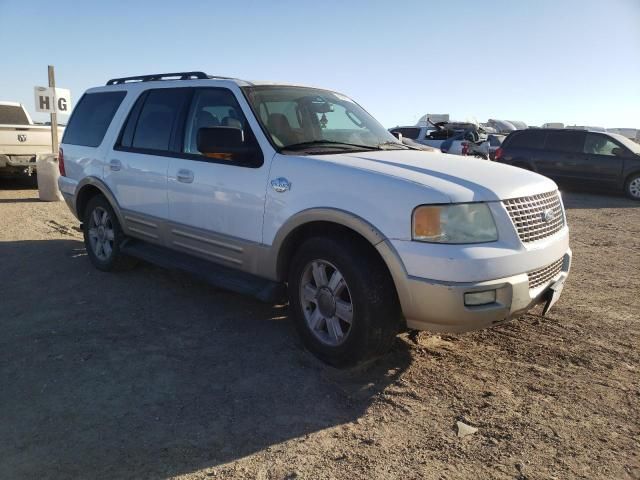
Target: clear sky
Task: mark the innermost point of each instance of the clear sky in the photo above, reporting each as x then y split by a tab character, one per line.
571	61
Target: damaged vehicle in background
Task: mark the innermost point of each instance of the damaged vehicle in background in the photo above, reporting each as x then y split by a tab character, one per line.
456	138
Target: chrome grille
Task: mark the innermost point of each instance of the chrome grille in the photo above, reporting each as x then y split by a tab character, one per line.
530	215
544	274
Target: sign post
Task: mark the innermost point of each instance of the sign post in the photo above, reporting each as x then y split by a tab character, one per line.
54	115
52	100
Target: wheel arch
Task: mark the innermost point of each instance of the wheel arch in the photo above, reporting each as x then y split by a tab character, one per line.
88	188
315	222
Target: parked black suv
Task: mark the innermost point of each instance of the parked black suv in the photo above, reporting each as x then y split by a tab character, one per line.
579	157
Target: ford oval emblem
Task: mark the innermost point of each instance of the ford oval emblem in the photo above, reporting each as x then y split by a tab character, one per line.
548	215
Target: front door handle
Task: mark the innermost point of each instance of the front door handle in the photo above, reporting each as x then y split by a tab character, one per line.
115	165
184	176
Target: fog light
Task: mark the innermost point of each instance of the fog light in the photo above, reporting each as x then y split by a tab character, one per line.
480	298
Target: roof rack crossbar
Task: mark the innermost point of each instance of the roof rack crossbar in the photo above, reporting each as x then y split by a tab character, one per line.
159	76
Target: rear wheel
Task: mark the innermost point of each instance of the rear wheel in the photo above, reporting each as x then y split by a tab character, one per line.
343	301
103	236
632	186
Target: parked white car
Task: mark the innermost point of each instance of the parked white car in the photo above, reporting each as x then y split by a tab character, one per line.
266	188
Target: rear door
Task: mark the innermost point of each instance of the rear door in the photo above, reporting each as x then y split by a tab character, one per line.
136	169
600	164
562	157
216	204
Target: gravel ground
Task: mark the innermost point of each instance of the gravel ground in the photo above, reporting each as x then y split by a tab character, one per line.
151	374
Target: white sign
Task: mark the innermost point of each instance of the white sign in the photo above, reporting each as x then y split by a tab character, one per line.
47	102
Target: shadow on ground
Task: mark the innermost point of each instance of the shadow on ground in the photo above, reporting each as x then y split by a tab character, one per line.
19	183
150	373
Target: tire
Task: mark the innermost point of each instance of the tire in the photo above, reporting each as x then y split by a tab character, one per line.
317	306
103	236
632	187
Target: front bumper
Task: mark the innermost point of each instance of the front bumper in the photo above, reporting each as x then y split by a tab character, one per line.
440	307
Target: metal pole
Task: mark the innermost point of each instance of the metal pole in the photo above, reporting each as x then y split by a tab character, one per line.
54	115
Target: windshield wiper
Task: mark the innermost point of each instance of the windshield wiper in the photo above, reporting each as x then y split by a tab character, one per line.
329	143
395	144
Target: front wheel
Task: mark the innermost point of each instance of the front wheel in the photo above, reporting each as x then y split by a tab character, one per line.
632	187
343	300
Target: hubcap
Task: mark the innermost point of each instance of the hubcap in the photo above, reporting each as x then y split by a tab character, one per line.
101	234
634	187
326	302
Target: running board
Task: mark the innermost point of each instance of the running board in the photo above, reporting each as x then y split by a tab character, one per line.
216	275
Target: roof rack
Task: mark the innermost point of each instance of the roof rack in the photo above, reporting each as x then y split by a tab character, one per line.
160	76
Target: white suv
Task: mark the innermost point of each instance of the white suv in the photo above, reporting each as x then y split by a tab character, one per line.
267	189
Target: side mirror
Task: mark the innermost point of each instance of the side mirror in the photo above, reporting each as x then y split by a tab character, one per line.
225	143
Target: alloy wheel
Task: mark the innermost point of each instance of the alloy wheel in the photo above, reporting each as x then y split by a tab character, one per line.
634	187
101	234
326	302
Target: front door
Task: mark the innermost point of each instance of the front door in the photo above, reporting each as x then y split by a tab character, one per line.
216	205
601	164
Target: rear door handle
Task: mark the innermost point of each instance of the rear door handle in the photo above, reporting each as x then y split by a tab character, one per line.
184	176
115	165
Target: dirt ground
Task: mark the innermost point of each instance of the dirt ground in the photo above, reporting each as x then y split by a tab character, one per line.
152	374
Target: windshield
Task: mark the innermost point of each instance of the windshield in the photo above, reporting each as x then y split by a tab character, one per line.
630	144
316	121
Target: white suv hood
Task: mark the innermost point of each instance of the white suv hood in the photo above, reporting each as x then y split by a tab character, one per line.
462	179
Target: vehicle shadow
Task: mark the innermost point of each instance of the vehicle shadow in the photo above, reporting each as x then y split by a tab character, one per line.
150	373
574	198
19	183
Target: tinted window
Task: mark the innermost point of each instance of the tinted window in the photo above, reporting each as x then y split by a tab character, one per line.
599	145
91	118
12	115
564	141
411	133
527	139
157	118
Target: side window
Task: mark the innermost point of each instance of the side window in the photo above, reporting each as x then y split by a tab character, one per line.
215	107
599	145
565	141
528	139
212	107
156	120
91	118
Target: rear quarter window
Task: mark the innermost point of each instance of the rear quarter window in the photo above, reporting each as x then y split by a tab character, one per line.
91	118
527	139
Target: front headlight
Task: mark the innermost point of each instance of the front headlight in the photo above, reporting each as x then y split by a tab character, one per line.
456	223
